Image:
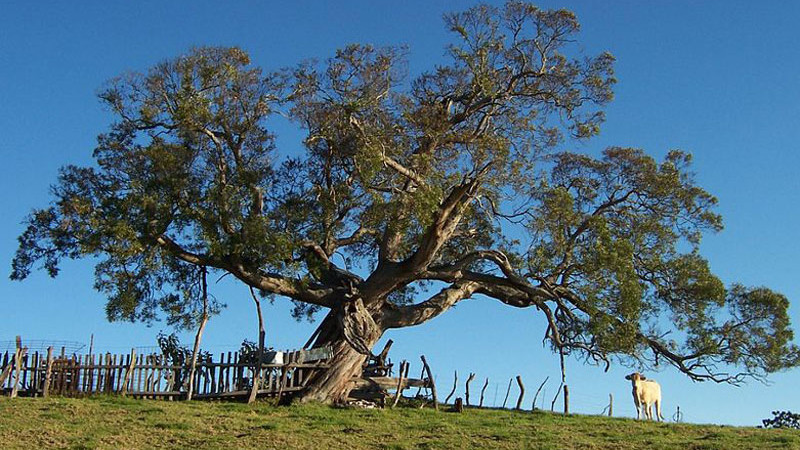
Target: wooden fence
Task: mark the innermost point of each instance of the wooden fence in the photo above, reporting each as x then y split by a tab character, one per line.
151	376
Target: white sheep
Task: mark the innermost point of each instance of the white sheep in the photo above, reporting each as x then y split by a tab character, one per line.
646	393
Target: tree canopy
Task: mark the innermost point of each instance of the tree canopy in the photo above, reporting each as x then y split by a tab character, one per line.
408	195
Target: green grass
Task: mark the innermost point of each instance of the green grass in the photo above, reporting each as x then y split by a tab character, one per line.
113	422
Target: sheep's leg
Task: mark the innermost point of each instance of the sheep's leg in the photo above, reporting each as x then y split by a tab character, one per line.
660	418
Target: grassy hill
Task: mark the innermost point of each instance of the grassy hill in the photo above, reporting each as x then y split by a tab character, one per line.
113	422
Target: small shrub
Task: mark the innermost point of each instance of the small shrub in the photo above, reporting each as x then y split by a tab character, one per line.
783	419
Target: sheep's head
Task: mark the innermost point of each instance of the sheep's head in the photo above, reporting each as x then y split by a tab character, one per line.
635	376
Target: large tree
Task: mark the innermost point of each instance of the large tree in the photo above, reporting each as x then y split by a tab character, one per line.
407	196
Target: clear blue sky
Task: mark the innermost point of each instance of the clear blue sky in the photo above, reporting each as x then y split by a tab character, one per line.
718	79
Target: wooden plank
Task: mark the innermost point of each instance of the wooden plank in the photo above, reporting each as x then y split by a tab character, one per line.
73	375
403	373
282	387
48	373
6	370
117	373
386	383
77	373
8	366
212	373
129	371
157	380
20	352
90	373
33	388
17	363
139	382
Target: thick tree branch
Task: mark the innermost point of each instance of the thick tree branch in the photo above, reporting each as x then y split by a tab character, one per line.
272	283
405	316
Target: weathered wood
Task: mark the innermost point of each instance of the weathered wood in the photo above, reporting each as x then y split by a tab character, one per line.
558	392
129	372
455	382
459	405
30	370
385	352
566	399
521	392
403	374
385	383
469	380
8	366
20	352
533	405
282	387
508	391
430	380
610	405
91	375
48	373
33	374
6	369
485	385
114	374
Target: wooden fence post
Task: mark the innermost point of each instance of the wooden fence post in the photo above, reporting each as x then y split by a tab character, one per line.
533	405
485	385
610	405
430	379
17	366
455	382
403	373
129	372
48	373
566	399
521	392
7	370
508	391
558	392
469	380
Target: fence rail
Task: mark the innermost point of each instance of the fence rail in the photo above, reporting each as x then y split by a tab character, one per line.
150	376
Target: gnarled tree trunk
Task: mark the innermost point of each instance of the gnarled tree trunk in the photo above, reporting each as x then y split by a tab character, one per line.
351	333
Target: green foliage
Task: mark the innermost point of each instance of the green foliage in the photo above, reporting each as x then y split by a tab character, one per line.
176	354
